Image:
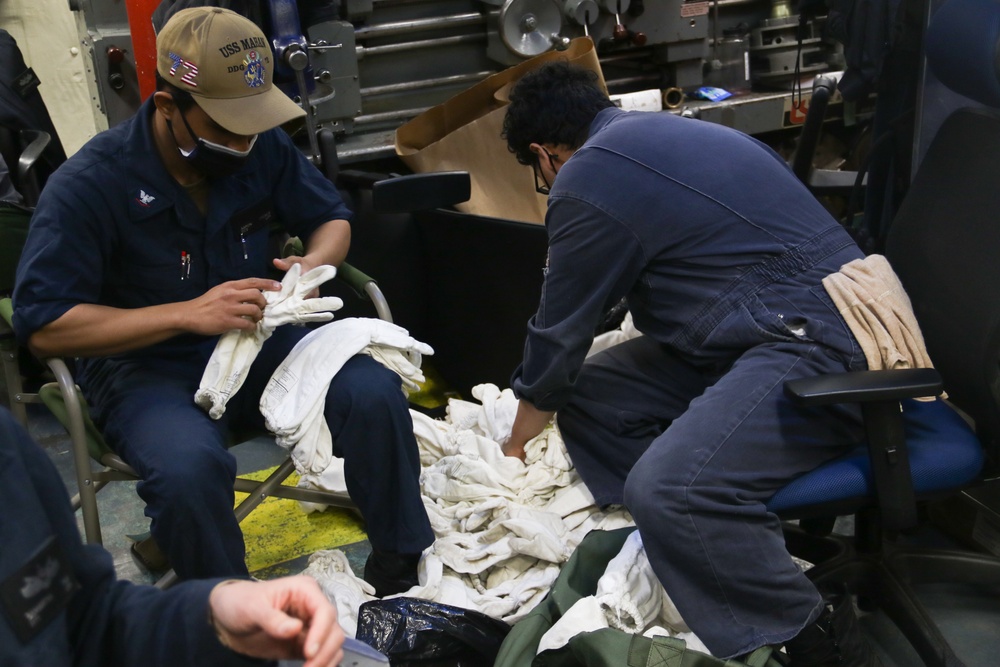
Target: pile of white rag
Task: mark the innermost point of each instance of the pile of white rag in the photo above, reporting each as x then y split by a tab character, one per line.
504	528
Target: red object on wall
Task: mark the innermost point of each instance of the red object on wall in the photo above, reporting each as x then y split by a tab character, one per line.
140	13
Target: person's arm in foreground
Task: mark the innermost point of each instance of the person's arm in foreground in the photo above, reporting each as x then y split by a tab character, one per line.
107	622
282	618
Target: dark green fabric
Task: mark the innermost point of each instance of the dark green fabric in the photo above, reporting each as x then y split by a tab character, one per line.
606	647
13	232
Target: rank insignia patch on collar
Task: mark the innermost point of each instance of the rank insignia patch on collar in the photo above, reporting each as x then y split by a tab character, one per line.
144	199
35	595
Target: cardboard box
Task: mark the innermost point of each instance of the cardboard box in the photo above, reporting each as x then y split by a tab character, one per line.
463	133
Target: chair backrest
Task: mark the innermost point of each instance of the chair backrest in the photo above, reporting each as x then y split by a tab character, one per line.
945	239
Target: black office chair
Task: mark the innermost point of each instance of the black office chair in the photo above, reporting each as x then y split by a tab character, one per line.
26	129
943	244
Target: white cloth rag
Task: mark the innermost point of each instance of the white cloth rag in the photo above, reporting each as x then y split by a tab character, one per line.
332	571
294	398
236	350
631	596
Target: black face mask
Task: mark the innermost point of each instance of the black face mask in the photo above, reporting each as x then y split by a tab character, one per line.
211	159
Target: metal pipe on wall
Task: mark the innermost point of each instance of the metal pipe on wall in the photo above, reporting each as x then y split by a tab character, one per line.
419	25
409	86
400	114
386	49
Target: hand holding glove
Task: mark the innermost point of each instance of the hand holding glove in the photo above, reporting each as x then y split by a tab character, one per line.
290	304
236	350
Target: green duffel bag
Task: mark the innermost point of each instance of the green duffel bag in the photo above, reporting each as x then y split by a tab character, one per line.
606	647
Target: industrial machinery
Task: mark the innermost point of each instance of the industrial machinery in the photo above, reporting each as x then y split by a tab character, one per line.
379	63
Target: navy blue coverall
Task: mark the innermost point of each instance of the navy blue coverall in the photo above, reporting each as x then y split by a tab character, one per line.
114	228
720	252
60	603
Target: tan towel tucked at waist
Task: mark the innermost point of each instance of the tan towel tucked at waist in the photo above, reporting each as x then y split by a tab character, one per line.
872	301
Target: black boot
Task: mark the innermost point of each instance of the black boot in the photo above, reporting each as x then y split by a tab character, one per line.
832	640
391	572
146	552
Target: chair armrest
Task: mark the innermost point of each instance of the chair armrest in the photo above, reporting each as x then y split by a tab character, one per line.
38	141
879	393
360	282
365	287
393	193
864	387
421	192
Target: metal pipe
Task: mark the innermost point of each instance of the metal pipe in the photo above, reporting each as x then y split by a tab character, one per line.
386	49
628	81
408	86
296	58
401	114
673	98
419	25
631	54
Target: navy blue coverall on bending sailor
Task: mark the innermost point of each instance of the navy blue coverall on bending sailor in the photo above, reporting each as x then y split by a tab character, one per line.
60	603
720	252
114	228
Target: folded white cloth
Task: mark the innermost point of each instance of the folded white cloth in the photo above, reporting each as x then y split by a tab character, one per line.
872	301
294	398
236	350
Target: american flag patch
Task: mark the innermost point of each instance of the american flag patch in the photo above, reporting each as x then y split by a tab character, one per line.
191	70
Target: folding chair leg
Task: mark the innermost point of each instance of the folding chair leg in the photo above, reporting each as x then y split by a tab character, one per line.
264	489
81	458
167	580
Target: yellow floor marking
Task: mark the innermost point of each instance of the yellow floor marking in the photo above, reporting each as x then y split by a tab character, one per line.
278	531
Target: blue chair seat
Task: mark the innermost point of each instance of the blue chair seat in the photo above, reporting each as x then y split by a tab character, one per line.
944	452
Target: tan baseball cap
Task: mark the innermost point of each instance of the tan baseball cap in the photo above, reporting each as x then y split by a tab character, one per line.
225	62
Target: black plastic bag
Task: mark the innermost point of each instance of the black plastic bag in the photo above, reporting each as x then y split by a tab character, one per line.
414	632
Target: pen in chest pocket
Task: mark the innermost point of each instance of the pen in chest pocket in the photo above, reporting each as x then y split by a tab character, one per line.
185	265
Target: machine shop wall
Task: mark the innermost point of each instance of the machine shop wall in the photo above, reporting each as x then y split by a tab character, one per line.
46	32
382	62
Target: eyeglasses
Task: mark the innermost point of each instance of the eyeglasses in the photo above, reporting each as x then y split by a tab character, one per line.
542	186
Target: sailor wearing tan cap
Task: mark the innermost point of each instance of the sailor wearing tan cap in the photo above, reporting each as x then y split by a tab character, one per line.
152	241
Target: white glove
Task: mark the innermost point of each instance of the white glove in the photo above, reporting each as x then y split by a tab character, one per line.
290	304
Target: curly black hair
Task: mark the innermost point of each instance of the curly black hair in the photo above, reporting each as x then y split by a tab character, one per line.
554	104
